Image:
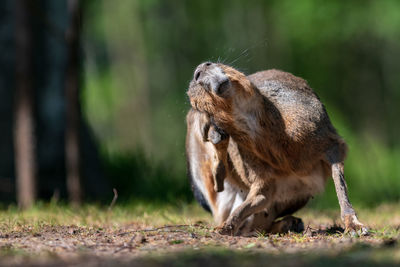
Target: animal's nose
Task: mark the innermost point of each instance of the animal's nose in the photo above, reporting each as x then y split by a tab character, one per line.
197	74
200	70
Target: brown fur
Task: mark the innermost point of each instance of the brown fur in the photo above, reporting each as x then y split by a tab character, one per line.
195	144
282	145
210	181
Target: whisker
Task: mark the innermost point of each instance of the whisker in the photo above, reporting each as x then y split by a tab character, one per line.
245	52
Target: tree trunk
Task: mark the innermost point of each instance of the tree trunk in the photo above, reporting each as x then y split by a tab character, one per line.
72	139
24	121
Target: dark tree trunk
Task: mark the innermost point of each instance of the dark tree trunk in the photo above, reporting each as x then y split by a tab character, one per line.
72	140
23	123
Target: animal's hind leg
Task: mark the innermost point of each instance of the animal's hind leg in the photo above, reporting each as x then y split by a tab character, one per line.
348	214
264	222
286	224
257	223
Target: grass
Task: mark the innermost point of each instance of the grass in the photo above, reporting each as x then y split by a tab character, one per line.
139	212
149	234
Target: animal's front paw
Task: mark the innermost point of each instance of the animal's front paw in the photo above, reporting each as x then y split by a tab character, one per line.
353	226
225	229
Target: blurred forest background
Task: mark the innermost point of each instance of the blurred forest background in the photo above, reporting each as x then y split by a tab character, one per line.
107	87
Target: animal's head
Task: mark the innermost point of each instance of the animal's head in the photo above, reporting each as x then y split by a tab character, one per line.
216	87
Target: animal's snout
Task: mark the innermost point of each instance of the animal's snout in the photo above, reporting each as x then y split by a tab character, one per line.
200	70
211	76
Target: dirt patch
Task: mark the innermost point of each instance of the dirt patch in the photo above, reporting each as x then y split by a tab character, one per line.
146	235
134	244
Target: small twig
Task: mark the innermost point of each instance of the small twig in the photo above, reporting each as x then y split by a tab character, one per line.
121	248
129	245
158	229
307	229
114	199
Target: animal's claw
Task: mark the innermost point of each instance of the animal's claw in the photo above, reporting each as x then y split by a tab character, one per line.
225	229
354	227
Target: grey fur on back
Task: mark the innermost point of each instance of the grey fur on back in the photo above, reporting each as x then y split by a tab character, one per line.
296	103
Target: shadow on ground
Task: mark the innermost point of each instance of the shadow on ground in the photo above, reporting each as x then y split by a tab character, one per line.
214	256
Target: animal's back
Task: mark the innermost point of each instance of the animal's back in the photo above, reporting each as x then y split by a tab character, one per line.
303	115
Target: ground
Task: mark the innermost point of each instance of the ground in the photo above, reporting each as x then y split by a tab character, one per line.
183	235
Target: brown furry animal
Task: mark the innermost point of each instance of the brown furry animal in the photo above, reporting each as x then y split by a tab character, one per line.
272	148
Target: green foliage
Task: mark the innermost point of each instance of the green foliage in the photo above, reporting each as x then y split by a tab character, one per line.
140	56
136	177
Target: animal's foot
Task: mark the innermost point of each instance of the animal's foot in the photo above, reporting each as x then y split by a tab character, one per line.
225	229
286	224
353	226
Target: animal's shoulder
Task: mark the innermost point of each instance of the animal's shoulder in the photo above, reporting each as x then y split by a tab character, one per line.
279	82
285	90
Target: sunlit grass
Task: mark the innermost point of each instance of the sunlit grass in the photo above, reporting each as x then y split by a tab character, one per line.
382	220
90	215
